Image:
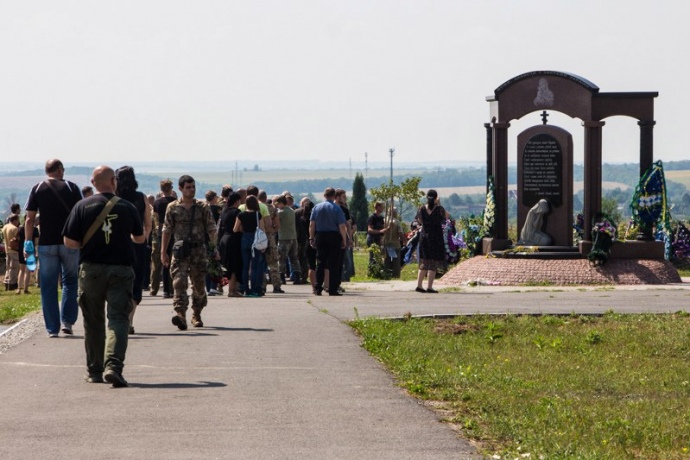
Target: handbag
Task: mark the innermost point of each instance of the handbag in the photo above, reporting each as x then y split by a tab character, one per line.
260	238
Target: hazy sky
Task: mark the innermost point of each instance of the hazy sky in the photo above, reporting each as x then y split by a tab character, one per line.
117	81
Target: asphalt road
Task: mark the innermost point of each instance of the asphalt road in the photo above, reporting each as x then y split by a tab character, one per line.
270	378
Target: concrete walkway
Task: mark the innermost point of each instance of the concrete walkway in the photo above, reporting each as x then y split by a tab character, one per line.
276	377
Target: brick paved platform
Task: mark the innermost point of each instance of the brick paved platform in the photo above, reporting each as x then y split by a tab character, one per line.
560	272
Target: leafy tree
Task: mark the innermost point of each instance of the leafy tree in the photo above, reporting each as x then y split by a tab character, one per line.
455	199
359	207
609	206
406	196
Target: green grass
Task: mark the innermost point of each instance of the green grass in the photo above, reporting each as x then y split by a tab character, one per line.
361	258
616	386
13	307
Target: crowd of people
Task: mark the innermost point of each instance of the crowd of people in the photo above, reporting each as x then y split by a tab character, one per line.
106	248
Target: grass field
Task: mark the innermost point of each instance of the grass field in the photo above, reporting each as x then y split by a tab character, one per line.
13	307
613	387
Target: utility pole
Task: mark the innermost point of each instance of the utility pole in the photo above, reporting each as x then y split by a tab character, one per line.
392	152
366	167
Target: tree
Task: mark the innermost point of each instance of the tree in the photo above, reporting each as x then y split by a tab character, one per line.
359	207
455	199
406	196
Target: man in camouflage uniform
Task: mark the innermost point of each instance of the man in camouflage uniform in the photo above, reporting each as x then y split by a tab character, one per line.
179	215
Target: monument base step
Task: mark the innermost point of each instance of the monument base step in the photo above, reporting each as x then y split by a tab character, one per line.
539	252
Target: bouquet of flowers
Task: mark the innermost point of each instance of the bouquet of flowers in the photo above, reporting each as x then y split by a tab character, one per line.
603	234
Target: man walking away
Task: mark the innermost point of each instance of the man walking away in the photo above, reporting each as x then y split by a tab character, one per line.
54	198
328	234
104	227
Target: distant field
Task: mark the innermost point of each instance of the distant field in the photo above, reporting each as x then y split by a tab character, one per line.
577	186
682	177
283	175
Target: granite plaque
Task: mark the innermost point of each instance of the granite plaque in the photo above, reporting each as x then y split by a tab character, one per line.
542	172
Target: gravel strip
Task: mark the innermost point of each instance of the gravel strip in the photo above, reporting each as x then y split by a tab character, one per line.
31	325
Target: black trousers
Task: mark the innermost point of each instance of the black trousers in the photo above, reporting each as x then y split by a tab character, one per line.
328	257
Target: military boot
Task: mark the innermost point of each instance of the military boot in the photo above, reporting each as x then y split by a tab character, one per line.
196	318
180	321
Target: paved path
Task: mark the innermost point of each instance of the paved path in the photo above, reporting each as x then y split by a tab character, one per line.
278	377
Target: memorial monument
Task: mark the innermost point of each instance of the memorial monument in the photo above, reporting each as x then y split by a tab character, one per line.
545	187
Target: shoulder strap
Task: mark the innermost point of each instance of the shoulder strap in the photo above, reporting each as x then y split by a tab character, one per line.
57	194
99	220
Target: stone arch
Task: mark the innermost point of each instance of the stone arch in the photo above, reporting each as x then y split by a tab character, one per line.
576	97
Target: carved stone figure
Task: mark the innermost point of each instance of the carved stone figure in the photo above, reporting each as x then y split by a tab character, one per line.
531	233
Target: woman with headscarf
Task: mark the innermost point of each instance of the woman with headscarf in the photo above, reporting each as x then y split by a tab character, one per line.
127	190
432	251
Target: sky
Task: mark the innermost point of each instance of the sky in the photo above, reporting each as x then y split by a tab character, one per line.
278	81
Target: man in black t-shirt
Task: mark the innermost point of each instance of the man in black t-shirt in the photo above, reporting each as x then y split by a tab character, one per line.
106	274
54	198
375	228
157	269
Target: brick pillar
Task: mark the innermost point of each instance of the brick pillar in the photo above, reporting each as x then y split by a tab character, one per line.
592	201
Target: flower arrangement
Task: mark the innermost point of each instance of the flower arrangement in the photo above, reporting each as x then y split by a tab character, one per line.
603	234
605	227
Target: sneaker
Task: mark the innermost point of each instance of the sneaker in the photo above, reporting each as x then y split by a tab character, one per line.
341	290
53	335
94	377
252	294
180	321
67	329
210	293
167	295
215	292
115	378
278	291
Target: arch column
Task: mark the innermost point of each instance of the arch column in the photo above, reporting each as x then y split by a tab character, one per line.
500	173
646	144
489	152
592	179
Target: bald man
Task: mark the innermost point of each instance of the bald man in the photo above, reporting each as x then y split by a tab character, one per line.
106	275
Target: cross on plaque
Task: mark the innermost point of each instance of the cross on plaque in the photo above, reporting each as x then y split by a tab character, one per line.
544	116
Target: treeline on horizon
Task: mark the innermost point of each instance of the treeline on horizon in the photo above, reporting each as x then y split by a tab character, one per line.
627	173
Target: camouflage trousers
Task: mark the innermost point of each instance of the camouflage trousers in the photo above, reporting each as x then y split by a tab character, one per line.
193	267
273	261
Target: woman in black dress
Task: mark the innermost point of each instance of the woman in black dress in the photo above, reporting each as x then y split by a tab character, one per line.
432	250
229	244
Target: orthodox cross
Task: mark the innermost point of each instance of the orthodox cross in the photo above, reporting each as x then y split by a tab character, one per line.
544	116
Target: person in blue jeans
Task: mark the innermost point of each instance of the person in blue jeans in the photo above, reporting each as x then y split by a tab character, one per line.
253	267
54	198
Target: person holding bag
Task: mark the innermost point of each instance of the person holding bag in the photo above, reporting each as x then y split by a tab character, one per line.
187	222
249	222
